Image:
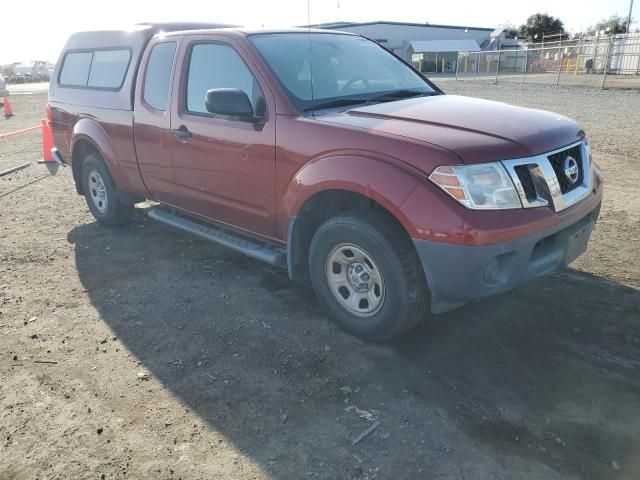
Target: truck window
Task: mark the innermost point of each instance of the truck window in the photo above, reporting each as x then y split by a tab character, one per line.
95	68
108	68
213	65
75	69
158	75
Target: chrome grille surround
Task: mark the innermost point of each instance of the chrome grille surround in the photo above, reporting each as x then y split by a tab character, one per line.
545	181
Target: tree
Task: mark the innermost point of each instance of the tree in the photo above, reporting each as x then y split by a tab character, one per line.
541	23
511	30
613	24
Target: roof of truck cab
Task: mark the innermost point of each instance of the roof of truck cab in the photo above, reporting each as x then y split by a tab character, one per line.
243	32
175	26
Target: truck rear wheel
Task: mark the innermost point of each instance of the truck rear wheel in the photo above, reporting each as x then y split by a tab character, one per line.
367	275
101	193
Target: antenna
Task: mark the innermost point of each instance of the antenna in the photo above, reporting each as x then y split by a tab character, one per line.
338	10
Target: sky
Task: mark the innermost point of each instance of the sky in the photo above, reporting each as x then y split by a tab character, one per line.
37	29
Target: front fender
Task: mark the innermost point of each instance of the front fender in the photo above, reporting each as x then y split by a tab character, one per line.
384	182
91	131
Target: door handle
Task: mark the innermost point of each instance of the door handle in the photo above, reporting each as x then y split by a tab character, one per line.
182	132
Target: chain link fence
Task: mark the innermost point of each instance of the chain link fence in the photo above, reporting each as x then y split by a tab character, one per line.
611	61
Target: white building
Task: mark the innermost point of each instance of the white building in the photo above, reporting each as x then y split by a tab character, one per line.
429	46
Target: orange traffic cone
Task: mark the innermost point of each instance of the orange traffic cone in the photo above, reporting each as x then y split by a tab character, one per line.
8	111
47	143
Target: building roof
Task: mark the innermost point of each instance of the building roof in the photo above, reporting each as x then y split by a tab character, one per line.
336	25
466	45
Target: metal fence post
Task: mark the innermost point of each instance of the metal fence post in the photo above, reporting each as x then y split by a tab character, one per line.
475	70
607	58
457	63
637	44
560	67
526	65
595	54
498	66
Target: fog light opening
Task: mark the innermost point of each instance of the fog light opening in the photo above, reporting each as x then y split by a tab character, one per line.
492	272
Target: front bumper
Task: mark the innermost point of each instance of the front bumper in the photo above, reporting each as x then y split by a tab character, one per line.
457	274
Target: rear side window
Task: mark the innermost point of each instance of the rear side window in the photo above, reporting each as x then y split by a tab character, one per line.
214	65
75	70
158	75
108	68
96	68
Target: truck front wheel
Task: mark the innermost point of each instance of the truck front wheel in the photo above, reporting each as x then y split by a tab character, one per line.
101	193
367	275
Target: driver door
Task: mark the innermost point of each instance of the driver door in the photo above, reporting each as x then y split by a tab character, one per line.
224	168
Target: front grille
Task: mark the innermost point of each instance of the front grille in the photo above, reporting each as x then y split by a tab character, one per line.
524	174
557	162
541	179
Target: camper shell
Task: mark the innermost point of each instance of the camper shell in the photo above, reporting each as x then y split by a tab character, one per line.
134	40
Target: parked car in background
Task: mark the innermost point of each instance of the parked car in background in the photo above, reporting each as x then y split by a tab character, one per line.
326	154
4	92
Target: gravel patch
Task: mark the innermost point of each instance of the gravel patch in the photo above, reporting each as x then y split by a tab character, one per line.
143	352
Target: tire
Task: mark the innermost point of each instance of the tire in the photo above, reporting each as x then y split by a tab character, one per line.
383	299
101	193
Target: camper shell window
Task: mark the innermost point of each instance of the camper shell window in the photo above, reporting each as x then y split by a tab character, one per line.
99	69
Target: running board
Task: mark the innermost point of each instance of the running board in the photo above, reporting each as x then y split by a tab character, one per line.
260	251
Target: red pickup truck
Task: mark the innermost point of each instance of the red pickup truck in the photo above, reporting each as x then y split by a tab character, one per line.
324	153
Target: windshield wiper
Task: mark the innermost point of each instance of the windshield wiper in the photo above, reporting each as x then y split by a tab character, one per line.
400	94
338	102
385	97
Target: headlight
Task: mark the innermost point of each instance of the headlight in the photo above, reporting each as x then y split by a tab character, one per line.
484	186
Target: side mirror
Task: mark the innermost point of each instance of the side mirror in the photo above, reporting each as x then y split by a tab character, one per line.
231	102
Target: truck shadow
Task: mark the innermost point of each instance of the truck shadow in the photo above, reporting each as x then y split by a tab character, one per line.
542	381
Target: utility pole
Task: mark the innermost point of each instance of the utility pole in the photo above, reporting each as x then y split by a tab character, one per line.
629	17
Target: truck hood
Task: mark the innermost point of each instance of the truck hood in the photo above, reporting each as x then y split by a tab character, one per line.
476	130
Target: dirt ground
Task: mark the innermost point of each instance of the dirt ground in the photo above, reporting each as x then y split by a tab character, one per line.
593	81
142	352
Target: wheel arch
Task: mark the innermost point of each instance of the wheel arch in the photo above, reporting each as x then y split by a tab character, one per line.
89	137
81	149
315	195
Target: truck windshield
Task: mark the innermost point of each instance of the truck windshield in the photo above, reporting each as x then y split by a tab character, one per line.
321	70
